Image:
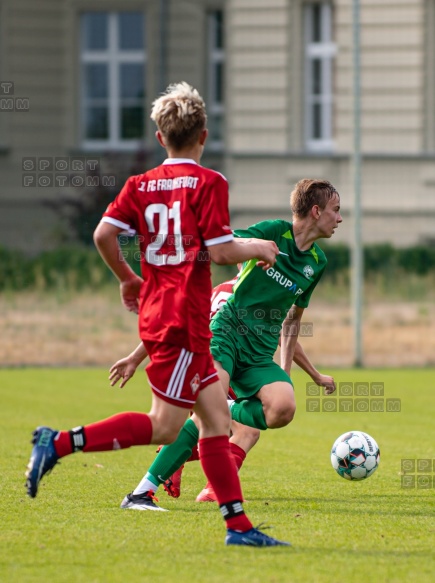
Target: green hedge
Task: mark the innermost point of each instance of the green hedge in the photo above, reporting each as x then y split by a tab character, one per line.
383	258
68	267
81	267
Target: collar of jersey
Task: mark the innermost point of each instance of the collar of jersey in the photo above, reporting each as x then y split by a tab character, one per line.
179	161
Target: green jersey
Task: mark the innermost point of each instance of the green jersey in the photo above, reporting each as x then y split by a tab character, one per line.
262	298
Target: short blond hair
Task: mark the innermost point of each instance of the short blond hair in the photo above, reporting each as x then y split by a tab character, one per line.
309	192
180	115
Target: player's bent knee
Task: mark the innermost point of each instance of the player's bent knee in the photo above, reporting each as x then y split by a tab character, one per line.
165	432
280	416
252	435
166	436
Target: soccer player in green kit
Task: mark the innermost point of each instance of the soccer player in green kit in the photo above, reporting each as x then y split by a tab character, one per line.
246	330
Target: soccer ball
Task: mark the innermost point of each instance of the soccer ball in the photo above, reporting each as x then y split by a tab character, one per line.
355	455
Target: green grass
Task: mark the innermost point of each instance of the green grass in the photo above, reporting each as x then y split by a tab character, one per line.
74	531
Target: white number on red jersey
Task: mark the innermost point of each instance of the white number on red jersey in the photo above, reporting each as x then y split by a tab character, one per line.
217	301
164	215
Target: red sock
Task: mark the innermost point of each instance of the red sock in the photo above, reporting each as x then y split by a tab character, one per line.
117	432
194	455
62	443
219	467
239	456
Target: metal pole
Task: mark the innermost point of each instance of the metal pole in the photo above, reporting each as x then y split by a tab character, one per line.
162	64
357	280
163	17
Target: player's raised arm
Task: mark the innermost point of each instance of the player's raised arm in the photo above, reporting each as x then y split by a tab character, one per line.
240	250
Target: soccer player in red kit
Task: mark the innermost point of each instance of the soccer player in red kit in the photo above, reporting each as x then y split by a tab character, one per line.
243	437
180	211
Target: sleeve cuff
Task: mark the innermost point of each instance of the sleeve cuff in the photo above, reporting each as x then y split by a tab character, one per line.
218	240
126	230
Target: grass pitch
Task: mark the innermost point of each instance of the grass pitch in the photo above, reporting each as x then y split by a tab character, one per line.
74	531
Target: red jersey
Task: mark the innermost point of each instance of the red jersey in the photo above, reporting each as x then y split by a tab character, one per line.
178	210
220	295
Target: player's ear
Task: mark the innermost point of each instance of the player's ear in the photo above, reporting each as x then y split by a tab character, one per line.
160	139
203	136
316	212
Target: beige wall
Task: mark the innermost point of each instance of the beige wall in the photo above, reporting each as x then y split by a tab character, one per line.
265	137
258	81
39	48
392	75
264	153
398	194
33	59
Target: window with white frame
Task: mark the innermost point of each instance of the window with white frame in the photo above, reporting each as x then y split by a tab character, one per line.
319	58
216	89
112	79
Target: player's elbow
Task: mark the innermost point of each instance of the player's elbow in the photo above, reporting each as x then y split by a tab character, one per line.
219	255
104	234
99	235
220	260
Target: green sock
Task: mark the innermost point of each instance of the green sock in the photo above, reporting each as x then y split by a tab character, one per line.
171	457
249	412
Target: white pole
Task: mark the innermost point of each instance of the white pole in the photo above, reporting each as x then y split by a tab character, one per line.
163	18
161	77
357	280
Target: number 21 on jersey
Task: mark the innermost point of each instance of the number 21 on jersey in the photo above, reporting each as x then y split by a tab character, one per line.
165	214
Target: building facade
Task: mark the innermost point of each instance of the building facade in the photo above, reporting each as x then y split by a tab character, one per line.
77	78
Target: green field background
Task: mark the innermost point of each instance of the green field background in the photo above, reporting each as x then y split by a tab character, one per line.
74	531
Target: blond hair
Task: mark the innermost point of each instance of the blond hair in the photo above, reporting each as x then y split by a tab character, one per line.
179	115
309	192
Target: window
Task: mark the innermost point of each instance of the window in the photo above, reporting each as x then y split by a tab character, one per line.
216	88
112	79
319	56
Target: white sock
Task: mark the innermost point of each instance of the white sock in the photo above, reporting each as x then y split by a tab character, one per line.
145	485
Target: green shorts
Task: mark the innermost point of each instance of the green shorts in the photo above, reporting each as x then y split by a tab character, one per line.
249	371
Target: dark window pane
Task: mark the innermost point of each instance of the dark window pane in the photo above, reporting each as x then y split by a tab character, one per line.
132	123
96	81
218	18
317	76
215	127
317	121
94	31
130	28
316	22
219	83
97	123
132	81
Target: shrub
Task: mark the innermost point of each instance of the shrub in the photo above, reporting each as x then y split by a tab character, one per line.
77	267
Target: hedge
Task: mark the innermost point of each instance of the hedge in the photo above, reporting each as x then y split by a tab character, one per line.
383	258
80	267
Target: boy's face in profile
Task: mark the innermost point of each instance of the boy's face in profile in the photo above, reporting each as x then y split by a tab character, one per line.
330	217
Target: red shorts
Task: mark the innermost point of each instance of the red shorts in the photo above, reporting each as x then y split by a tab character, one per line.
177	375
